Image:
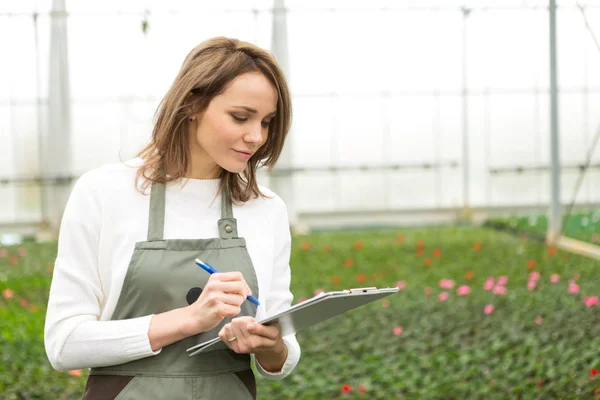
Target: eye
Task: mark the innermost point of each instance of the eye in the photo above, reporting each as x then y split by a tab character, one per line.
239	119
266	124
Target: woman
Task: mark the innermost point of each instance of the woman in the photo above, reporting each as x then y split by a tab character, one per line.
127	299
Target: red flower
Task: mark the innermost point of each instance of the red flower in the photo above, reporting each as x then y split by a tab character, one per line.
335	280
540	382
346	389
349	262
427	262
593	372
437	253
361	278
400	238
477	246
530	264
362	389
306	246
358	245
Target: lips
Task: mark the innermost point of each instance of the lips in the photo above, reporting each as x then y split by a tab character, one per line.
249	153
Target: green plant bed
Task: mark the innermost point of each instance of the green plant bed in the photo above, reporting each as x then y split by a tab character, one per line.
583	226
425	342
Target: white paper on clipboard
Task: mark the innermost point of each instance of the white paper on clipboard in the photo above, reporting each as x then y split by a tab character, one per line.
310	312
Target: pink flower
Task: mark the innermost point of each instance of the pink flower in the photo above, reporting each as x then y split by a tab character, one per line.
301	299
489	284
573	288
7	293
398	330
400	285
318	292
534	276
463	290
443	296
488	309
531	285
446	284
502	280
385	303
22	252
3	252
591	301
538	320
555	278
428	290
500	290
75	372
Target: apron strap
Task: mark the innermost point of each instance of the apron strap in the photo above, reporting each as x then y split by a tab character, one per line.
227	224
156	217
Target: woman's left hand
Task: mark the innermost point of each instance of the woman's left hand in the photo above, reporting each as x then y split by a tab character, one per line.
252	337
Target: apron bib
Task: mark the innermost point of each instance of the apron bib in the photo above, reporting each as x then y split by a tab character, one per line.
159	277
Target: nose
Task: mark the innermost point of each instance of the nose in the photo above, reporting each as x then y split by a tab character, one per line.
255	134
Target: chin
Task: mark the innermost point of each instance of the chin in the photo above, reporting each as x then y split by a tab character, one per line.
234	168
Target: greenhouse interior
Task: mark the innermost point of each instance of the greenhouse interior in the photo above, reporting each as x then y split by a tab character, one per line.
445	150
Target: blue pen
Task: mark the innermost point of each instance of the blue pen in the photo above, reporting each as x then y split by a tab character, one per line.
211	271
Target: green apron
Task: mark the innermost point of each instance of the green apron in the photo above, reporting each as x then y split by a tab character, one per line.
160	275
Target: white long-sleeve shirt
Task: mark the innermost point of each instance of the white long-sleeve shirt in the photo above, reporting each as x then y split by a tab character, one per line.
105	216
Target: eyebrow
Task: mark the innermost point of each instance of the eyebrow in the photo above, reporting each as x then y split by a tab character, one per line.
253	111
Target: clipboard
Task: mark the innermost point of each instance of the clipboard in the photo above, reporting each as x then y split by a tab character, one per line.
310	312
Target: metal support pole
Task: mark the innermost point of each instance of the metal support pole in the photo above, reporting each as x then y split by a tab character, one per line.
554	226
283	184
465	121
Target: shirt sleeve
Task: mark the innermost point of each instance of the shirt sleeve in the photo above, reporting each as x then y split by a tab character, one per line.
74	337
280	297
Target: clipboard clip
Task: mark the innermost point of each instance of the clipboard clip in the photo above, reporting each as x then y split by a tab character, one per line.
363	290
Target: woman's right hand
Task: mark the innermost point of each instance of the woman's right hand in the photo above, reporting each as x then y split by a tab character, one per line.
222	297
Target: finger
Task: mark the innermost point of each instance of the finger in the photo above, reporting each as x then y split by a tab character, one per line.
245	320
228	310
243	337
228	287
231	277
271	332
227	276
230	299
226	335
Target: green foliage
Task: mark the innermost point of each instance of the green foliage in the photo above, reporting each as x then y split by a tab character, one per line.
540	343
583	226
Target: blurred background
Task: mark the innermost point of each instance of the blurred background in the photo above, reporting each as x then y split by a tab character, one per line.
418	126
429	107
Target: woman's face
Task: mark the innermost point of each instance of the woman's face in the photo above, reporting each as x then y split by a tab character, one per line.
233	127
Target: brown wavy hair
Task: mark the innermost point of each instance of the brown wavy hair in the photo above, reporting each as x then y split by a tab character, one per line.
205	73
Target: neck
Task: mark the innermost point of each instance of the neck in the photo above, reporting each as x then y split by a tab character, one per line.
202	167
